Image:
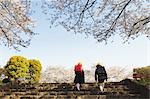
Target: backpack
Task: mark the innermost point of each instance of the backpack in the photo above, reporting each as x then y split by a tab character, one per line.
78	67
101	70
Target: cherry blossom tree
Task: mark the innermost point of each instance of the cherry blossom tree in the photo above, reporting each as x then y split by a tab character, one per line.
15	23
101	18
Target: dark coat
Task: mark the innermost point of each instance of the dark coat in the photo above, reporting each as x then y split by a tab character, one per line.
100	74
79	77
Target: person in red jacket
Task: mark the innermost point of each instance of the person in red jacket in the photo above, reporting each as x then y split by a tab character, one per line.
79	75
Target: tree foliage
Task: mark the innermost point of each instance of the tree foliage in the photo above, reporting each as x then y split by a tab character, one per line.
145	75
35	68
101	18
15	23
1	71
17	67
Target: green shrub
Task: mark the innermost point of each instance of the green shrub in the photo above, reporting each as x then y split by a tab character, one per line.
17	67
145	75
34	70
2	71
20	68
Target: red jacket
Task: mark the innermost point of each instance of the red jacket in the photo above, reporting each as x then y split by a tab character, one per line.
78	67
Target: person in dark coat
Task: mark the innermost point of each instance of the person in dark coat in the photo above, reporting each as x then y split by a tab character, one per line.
79	75
100	76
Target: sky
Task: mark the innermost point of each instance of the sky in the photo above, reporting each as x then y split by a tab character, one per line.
57	47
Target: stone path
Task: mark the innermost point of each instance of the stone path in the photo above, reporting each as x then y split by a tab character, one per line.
113	90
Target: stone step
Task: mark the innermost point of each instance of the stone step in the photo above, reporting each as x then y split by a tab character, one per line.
119	89
73	97
37	94
113	90
108	84
77	96
60	87
82	97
